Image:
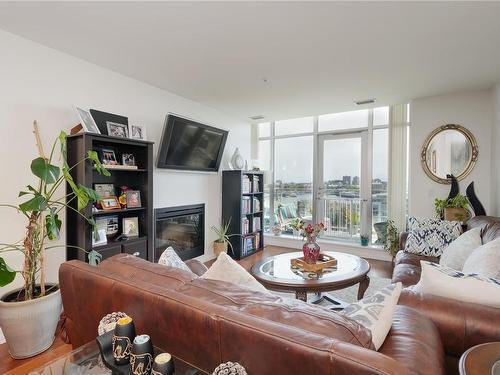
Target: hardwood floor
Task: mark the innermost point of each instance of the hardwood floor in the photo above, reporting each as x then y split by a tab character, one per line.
9	366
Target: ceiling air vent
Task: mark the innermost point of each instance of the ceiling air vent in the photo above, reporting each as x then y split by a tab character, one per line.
258	117
366	101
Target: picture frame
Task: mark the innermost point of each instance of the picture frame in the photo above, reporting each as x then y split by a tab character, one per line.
117	130
99	238
128	159
137	132
133	198
110	203
130	226
109	223
87	121
108	156
105	190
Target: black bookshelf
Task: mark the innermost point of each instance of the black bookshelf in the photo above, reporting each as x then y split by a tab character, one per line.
244	204
78	231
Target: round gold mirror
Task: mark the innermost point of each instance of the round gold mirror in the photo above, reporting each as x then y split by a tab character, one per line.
449	149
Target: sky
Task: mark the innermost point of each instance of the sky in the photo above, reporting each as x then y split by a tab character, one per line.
293	159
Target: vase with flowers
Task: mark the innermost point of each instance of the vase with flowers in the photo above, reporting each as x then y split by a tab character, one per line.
311	248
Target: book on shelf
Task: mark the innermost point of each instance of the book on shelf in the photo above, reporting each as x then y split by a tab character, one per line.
255	187
256	204
246	185
246	205
245	226
257	241
248	245
256	224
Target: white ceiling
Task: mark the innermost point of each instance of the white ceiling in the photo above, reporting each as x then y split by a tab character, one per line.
317	57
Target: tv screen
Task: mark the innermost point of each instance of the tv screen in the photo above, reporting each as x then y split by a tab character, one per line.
190	145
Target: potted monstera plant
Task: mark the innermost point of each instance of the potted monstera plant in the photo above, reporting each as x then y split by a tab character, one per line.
29	315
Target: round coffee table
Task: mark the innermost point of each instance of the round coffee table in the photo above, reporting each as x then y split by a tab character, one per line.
481	359
275	273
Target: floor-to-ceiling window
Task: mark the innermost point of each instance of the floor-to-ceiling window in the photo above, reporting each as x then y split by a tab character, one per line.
331	168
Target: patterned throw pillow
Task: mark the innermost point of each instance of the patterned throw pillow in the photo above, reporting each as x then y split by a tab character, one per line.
446	282
375	312
430	236
170	258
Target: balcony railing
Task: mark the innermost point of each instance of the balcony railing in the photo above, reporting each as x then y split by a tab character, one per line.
342	217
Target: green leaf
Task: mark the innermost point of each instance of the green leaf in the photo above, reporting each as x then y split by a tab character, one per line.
94	258
48	173
91	193
7	274
37	203
92	155
53	225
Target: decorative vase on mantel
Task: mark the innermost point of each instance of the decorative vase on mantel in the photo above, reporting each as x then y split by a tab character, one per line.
311	250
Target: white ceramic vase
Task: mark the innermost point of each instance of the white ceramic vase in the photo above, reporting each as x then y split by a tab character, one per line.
29	326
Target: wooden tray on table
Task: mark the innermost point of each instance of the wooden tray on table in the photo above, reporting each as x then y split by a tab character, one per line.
324	261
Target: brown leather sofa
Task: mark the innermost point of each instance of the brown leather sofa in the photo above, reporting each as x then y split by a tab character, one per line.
461	325
206	322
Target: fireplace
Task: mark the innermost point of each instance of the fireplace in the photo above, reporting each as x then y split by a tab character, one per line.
181	227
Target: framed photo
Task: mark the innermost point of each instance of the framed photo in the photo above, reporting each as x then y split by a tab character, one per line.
117	130
133	198
130	226
105	190
87	121
108	156
99	237
137	132
128	159
110	203
109	224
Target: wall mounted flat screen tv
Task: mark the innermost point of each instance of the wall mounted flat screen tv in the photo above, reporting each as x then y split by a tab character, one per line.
190	145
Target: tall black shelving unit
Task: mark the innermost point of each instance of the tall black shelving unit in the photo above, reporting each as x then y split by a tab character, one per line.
239	204
78	231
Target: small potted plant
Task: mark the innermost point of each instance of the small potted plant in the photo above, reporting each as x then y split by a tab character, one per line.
391	244
365	239
311	248
38	304
220	244
452	209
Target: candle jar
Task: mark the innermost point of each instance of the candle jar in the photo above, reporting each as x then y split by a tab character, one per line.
123	335
141	357
163	365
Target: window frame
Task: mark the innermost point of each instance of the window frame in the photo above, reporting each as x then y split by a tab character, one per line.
315	136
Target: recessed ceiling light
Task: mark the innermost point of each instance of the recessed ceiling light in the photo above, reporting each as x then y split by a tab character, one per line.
257	117
365	101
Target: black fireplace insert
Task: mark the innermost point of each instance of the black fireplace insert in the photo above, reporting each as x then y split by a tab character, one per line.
181	227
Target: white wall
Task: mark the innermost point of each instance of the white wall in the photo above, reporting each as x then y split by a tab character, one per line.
473	110
40	83
495	146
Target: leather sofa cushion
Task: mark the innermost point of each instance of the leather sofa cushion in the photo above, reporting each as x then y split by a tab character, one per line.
414	340
135	268
403	257
406	274
268	306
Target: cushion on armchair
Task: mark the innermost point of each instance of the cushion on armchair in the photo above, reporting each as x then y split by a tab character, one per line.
455	255
446	282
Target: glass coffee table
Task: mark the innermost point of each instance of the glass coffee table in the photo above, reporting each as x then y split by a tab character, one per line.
276	273
86	360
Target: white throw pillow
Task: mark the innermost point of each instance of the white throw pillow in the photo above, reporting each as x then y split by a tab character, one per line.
170	258
226	269
430	236
458	251
485	260
375	312
446	282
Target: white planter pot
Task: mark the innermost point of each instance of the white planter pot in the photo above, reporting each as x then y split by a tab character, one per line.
29	326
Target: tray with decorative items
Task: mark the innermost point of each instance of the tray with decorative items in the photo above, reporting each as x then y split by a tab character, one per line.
324	261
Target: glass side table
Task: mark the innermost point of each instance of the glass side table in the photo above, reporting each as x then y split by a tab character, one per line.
86	360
